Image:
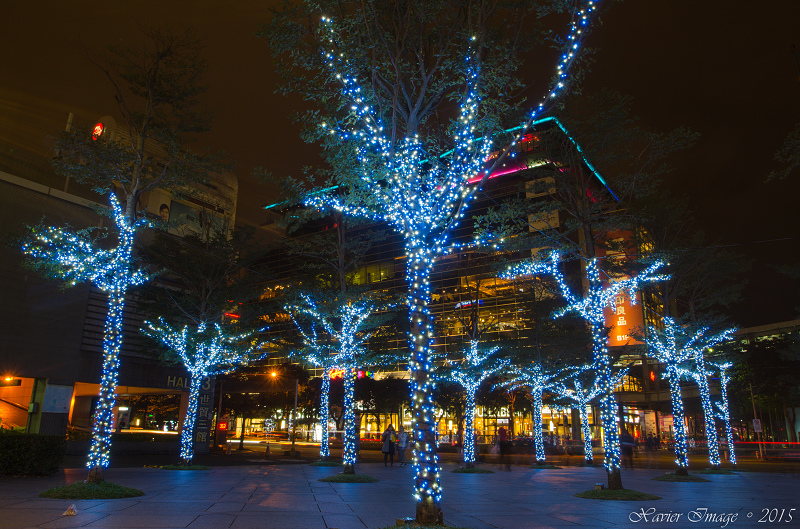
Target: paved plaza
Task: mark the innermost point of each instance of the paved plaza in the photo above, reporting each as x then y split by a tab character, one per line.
288	496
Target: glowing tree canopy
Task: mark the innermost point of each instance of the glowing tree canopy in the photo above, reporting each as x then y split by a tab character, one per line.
78	257
537	379
699	374
582	393
724	408
344	330
590	307
423	201
469	373
205	351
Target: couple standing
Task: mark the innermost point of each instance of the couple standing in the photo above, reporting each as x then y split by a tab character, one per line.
394	441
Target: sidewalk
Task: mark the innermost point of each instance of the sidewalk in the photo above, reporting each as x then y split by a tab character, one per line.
290	497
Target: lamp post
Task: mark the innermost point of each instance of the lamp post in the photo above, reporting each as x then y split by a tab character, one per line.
294	416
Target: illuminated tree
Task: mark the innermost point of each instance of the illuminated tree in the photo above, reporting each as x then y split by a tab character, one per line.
334	335
77	257
409	62
699	374
206	351
538	379
475	367
673	347
583	391
590	307
724	407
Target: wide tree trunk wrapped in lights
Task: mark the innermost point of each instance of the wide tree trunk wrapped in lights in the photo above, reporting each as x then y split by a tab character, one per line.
590	307
77	257
206	351
402	176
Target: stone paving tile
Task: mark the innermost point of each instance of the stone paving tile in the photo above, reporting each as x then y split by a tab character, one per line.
112	506
279	521
212	521
184	507
234	507
235	496
42	504
334	508
144	520
27	518
517	521
328	497
343	521
79	520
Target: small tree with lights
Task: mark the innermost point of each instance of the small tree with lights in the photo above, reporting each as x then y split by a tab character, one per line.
206	351
334	334
724	407
77	257
590	307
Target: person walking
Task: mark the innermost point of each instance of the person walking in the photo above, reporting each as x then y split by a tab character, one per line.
402	444
627	443
389	438
502	443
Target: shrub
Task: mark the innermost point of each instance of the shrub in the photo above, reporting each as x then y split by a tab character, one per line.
23	454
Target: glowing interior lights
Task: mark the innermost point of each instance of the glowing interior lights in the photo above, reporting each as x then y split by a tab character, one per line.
205	351
77	257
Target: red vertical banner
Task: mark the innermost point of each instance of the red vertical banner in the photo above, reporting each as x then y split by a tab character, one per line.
623	319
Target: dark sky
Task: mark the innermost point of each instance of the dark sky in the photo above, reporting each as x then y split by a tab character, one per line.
722	68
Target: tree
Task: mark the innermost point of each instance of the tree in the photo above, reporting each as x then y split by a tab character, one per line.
157	86
590	307
205	352
396	66
676	346
206	278
77	257
478	363
334	333
724	407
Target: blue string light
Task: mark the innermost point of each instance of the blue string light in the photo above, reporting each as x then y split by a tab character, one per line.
724	408
204	352
469	373
340	347
424	203
76	257
699	374
590	307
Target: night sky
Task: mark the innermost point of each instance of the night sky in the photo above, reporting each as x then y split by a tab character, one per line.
724	69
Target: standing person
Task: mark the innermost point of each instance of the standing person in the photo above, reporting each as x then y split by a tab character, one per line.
627	443
389	438
402	444
502	443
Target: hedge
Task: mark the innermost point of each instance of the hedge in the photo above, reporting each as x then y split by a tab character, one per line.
24	454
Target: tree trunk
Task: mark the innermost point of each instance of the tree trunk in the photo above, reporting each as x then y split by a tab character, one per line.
468	443
241	435
708	416
187	434
427	489
608	406
324	449
791	418
349	448
678	422
538	442
588	455
103	422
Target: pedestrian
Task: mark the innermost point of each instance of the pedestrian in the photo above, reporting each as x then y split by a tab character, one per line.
389	439
502	444
402	444
627	443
